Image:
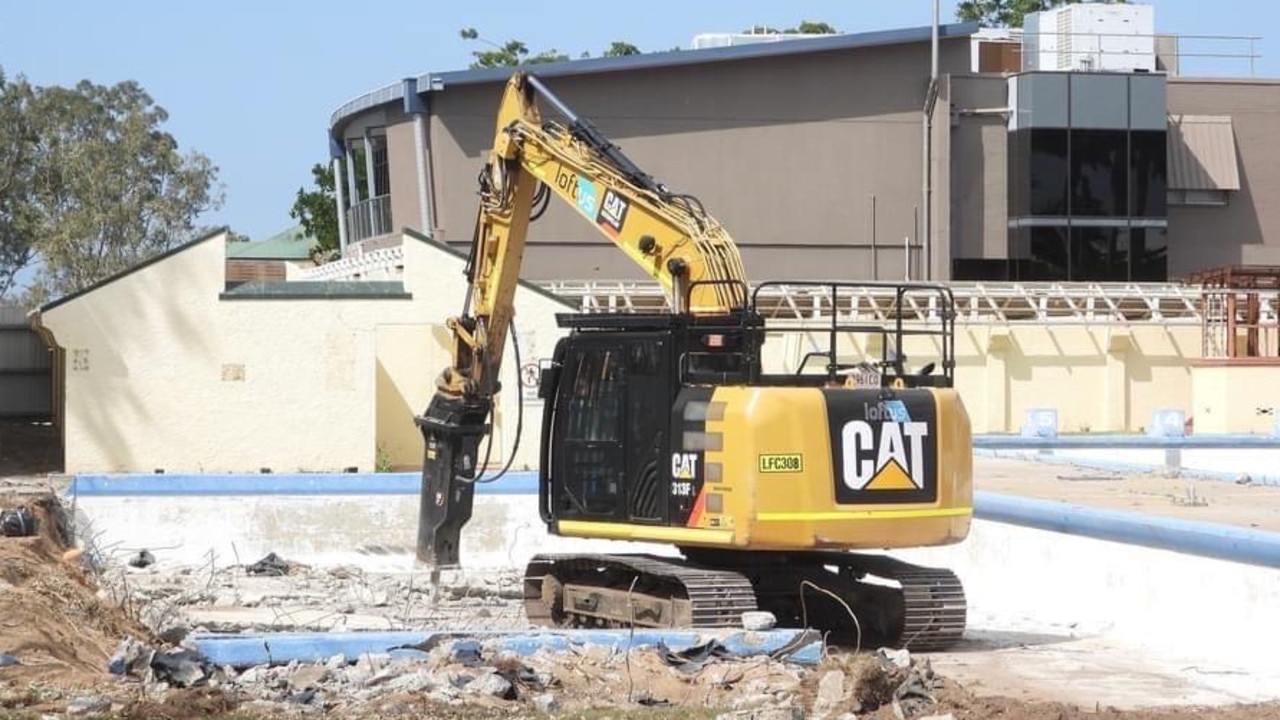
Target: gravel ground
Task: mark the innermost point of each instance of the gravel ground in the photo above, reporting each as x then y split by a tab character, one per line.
68	615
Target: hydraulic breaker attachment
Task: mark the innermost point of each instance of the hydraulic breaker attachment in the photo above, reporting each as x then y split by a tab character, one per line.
451	428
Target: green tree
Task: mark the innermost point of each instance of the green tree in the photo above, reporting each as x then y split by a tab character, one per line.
619	49
99	185
1006	13
18	138
515	52
806	27
510	53
317	211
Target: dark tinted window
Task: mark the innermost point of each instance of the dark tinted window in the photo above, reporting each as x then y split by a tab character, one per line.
1148	181
1048	166
1150	255
595	403
1049	260
1099	173
1019	252
1018	174
1099	254
381	170
979	269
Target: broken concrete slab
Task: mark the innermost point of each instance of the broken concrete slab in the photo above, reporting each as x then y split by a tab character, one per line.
247	650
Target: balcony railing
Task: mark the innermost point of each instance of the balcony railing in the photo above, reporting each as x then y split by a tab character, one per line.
369	218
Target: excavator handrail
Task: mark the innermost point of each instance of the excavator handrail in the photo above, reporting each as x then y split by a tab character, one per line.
897	331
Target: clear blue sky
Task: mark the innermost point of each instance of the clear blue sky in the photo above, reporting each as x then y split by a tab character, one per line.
252	84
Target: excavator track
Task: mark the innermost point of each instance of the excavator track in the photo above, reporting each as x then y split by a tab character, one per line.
926	611
573	590
934	609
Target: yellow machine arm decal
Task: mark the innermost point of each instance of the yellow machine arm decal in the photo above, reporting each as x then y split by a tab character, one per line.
862	514
672	239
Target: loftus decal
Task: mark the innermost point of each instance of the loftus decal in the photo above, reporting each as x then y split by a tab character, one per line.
884	449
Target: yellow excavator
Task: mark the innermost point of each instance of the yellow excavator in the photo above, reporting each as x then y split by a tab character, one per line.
778	489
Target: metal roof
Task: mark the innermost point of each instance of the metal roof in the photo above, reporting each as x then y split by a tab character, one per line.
435	82
1202	153
318	290
292	244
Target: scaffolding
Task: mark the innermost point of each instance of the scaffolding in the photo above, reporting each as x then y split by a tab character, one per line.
976	302
381	264
1239	317
1222	301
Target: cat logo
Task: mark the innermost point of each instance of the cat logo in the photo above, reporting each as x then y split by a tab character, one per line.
684	466
883	454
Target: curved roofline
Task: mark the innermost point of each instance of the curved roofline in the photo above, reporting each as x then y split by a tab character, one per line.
436	82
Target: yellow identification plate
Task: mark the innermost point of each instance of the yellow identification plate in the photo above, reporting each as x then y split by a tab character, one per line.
784	463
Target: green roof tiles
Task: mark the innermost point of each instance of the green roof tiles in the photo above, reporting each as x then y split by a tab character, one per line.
319	290
292	244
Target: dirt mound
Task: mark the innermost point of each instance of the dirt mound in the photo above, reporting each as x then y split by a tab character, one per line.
876	687
52	619
963	704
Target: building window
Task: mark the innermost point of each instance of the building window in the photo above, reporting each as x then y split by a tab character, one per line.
1148	177
1099	173
1212	198
1150	254
1048	259
1047	172
1100	253
1088	183
971	269
381	168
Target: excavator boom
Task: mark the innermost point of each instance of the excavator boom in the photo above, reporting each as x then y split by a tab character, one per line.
669	235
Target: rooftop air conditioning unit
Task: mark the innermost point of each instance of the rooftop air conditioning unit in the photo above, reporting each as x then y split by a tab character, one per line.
1091	37
714	40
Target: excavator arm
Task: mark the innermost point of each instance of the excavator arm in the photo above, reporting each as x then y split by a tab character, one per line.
669	235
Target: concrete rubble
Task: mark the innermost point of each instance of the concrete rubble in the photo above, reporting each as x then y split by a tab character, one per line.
178	599
470	673
472	667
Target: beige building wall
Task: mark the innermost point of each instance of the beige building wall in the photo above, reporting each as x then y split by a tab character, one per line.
1233	397
1245	231
978	167
812	161
1099	379
402	166
162	374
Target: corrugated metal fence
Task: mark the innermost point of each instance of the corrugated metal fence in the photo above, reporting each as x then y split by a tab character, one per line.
26	368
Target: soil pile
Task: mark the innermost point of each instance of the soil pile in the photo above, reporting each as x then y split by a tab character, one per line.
53	620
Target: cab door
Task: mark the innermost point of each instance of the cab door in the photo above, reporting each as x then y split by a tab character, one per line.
610	429
589	459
